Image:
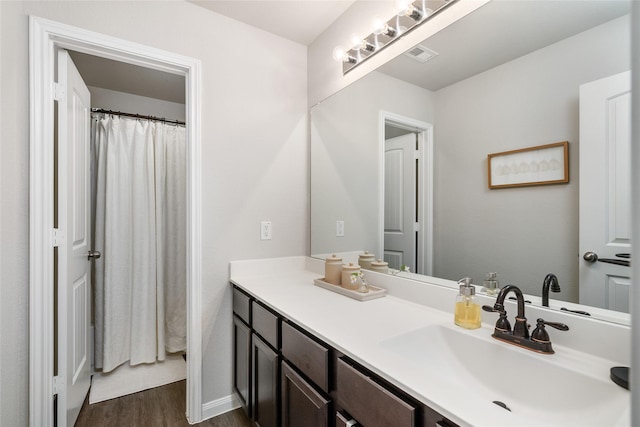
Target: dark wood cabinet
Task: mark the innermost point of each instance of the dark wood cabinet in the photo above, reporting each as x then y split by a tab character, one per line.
285	376
242	362
302	405
265	376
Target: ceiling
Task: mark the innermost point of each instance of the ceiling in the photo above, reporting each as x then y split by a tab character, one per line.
122	77
477	42
301	21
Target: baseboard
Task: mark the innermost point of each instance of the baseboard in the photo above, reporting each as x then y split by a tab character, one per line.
219	406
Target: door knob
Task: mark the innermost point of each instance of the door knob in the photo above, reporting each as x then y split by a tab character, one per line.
593	257
93	255
590	256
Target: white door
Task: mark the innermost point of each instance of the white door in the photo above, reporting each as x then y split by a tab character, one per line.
74	266
605	194
400	226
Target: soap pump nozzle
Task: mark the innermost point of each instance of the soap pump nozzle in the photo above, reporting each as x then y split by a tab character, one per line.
466	286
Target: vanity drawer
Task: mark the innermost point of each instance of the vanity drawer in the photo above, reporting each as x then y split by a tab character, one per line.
241	305
370	403
266	324
309	356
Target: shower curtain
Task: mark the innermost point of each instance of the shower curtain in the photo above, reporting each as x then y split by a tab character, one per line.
139	205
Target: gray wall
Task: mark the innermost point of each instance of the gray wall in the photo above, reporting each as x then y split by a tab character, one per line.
527	102
254	151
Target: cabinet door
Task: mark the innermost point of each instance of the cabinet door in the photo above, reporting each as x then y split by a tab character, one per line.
265	383
242	362
302	406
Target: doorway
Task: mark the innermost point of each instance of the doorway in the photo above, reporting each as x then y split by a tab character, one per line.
45	38
406	200
137	226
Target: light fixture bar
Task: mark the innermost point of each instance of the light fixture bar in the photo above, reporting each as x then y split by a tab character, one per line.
409	16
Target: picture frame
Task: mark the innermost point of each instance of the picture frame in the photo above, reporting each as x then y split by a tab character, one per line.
540	165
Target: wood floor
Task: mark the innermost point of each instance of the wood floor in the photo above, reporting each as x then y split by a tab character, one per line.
161	406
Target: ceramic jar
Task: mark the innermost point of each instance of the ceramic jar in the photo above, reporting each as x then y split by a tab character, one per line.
347	271
365	260
380	266
333	270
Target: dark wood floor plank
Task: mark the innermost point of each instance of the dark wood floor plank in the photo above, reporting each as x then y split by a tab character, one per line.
161	406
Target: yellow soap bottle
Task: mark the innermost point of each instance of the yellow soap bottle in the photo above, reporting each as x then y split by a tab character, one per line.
467	310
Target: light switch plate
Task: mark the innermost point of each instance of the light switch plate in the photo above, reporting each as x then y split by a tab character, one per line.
339	228
265	230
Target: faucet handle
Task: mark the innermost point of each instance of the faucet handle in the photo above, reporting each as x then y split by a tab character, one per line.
496	308
502	323
490	309
540	334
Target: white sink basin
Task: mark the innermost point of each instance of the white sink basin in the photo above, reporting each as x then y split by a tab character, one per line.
557	389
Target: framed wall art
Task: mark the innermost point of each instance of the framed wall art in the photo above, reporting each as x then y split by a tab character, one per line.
540	165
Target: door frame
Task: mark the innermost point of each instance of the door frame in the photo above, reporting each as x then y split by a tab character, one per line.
425	179
45	36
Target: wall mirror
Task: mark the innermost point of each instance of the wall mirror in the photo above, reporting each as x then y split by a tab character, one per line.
510	75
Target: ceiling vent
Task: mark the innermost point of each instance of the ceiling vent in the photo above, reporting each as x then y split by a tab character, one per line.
421	53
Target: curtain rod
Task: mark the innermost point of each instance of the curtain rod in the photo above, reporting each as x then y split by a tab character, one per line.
137	116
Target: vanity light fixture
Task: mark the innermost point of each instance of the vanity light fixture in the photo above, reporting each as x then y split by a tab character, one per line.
409	15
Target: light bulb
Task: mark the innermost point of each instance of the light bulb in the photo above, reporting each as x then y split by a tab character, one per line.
402	7
381	27
339	53
356	42
378	25
406	8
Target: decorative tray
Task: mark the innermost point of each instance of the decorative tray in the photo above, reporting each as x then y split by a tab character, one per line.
374	291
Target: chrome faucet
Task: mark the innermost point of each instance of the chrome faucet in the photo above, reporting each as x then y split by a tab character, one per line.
538	341
550	283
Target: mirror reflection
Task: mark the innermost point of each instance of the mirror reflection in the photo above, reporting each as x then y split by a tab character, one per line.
510	75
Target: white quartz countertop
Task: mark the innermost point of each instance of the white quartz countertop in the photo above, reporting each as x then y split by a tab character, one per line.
364	331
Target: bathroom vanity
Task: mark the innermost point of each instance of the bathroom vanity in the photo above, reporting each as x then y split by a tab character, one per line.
304	355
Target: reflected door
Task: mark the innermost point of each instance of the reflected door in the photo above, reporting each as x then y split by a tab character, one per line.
605	194
400	201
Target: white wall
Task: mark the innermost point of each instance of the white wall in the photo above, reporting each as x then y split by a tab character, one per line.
254	151
325	75
345	148
129	103
527	102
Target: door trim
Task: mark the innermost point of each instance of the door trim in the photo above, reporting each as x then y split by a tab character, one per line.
45	37
425	178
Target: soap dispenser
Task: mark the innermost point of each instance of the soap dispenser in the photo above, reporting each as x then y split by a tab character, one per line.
467	310
490	286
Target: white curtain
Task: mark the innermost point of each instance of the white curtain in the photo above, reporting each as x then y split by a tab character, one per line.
139	183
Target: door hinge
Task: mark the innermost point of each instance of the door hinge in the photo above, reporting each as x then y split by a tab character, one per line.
58	237
416	226
58	384
59	92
